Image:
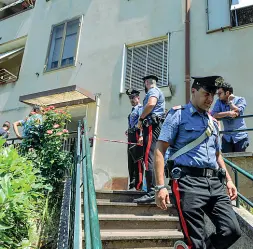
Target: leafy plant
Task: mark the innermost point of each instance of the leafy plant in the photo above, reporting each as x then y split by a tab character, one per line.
44	147
22	192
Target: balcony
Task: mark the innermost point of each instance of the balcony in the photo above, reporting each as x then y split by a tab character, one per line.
9	8
10	63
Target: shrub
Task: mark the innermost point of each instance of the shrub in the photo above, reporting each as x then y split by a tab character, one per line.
22	191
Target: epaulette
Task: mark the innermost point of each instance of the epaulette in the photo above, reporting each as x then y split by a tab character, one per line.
214	119
178	107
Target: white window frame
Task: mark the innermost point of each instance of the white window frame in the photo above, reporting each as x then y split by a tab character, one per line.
65	22
143	43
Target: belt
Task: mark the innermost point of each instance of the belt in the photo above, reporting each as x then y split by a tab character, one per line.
132	130
194	171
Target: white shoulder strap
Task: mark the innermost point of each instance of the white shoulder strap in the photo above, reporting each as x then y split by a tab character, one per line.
196	142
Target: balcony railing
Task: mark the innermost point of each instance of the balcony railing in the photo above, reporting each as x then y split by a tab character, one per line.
15	8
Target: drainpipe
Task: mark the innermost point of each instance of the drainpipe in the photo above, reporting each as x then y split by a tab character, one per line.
187	50
96	127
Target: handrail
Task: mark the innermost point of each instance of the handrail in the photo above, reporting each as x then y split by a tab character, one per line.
77	224
246	174
85	198
83	177
93	212
11	5
237	130
238	117
242	171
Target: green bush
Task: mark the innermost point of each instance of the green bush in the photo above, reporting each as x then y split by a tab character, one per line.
22	192
44	147
27	178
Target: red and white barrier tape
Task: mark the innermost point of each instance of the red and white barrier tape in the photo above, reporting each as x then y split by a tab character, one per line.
114	141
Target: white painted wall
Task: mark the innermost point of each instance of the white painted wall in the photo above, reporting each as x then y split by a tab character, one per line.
107	25
227	53
16	26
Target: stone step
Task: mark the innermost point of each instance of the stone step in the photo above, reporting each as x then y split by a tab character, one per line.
107	207
119	195
139	238
130	221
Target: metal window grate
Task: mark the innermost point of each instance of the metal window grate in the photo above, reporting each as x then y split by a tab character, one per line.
242	16
7	77
144	60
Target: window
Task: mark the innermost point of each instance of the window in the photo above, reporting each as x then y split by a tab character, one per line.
218	13
63	45
151	58
229	13
241	12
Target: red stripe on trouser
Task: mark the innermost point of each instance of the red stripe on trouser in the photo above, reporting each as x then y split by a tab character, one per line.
139	167
175	189
148	146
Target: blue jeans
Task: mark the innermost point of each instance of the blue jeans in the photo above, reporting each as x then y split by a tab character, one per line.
230	146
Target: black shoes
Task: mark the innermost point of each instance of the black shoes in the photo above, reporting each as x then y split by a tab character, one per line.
148	198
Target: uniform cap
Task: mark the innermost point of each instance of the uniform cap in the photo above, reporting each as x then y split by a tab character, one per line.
208	83
152	76
132	93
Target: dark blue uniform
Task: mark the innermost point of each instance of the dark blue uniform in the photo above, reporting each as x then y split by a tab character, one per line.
151	130
135	169
199	189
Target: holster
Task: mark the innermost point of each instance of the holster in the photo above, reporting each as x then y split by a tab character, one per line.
152	119
222	175
168	167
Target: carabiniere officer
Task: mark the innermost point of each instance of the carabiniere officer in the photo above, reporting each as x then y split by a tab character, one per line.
198	175
151	121
134	134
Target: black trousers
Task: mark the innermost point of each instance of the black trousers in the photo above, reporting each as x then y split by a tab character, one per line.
195	196
230	146
150	137
135	169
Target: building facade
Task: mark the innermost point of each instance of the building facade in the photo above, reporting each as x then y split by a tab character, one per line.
106	46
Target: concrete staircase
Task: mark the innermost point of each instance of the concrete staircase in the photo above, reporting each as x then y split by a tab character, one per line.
125	224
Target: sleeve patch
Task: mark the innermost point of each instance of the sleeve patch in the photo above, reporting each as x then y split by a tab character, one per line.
178	107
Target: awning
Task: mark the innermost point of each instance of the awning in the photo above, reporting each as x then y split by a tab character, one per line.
10	54
60	97
238	4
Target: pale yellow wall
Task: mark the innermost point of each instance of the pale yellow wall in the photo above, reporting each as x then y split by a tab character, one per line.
107	25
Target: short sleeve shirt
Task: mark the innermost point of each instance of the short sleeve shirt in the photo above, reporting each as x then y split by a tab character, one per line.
35	119
232	124
159	108
134	115
183	126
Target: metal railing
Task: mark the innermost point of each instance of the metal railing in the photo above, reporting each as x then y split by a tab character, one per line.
13	4
91	222
236	169
81	178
